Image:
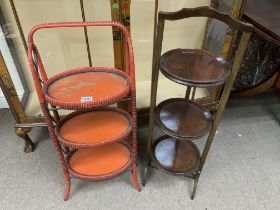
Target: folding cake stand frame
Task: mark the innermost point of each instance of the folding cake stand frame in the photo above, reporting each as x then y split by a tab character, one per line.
187	119
96	142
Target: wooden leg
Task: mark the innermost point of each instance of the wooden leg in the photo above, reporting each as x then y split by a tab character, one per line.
23	133
195	185
145	172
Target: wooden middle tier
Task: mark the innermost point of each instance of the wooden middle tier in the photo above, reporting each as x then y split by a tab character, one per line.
183	119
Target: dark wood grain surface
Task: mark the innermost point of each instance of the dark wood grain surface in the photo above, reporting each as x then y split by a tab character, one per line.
174	156
264	14
182	118
194	67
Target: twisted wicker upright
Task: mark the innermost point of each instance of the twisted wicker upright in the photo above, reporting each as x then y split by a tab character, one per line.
96	142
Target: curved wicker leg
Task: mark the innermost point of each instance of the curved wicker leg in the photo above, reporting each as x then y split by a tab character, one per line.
63	164
58	150
132	109
134	177
134	158
23	133
67	189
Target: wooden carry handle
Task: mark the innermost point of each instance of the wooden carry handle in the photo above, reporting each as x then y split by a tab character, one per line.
206	12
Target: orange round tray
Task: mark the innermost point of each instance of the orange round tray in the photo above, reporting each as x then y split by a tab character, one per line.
95	127
100	163
87	88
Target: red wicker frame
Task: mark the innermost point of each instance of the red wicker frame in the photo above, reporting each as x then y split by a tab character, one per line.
73	145
41	76
87	105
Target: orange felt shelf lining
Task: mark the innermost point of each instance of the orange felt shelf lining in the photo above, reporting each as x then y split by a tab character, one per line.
100	160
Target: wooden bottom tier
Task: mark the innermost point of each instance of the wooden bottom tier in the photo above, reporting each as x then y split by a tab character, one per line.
100	163
175	156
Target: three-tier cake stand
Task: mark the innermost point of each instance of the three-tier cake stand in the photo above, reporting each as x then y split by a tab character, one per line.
96	142
184	120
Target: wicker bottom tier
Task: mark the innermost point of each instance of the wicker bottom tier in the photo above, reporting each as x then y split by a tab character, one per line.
100	163
175	156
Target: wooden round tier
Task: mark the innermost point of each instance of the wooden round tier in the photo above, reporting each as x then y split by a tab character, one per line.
174	156
194	67
182	118
100	163
95	127
86	88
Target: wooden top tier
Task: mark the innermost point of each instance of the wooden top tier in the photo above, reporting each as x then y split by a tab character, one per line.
194	67
264	15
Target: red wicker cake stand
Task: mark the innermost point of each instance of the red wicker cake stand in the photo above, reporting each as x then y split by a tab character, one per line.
96	142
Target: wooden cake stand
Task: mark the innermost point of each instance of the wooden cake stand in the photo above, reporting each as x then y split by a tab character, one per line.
184	120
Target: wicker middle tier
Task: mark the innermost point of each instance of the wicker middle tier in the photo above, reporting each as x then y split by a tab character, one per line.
94	127
100	163
87	88
183	119
174	156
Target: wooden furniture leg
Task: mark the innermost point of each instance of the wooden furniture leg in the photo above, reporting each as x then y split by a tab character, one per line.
11	96
23	133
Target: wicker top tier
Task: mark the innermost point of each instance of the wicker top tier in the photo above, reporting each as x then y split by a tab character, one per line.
194	67
87	88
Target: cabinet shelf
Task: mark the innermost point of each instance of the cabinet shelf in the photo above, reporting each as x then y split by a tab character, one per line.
100	163
87	88
174	156
183	119
93	128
